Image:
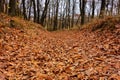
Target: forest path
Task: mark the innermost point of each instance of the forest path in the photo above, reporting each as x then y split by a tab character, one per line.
62	55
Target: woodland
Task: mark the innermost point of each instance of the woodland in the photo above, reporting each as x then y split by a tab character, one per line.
59	39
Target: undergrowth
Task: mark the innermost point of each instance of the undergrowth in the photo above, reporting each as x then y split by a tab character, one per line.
16	22
102	24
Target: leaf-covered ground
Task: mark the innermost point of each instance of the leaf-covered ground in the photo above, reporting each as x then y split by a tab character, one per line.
35	54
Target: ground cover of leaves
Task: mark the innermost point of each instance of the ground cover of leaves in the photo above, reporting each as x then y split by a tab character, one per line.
35	54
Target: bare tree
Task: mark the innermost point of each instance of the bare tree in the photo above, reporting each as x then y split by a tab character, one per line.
24	10
107	7
93	8
80	8
44	13
119	7
12	8
30	5
38	11
56	16
34	8
2	2
102	10
67	19
73	12
63	20
60	14
83	12
111	10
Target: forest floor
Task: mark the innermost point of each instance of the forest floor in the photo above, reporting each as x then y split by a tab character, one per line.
31	53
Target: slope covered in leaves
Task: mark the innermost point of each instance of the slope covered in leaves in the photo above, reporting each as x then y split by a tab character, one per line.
35	54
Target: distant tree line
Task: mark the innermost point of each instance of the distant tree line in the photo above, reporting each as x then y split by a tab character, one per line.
60	14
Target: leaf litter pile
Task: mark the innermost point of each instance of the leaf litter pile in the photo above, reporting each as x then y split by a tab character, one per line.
36	54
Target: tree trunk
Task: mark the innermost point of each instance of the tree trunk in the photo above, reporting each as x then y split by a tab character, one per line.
67	20
24	10
83	12
29	15
102	10
34	8
73	13
80	8
63	17
38	11
118	7
43	17
2	2
93	8
56	16
111	10
12	8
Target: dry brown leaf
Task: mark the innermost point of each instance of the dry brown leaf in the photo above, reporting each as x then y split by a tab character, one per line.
114	76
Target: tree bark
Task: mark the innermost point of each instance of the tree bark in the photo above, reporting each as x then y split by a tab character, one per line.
30	5
80	8
102	10
34	8
2	2
93	8
12	8
24	10
111	10
38	11
44	13
73	13
118	7
56	16
83	12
